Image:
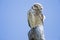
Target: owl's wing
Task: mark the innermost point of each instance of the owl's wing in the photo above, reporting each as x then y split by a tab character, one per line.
41	16
31	19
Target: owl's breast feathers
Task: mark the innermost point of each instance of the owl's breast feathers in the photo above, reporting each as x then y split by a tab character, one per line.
38	19
34	20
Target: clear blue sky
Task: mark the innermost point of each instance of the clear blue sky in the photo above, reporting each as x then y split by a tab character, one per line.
13	19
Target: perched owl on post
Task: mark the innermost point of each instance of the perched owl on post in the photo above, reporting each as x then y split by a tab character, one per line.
35	16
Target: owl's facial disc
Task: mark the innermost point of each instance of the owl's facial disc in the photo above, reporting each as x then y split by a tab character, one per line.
37	7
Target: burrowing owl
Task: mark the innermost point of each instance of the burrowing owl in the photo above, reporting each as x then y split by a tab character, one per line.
35	16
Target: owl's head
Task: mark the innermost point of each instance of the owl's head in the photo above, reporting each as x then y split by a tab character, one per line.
37	6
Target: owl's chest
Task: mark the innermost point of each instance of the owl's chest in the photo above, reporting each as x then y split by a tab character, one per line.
37	19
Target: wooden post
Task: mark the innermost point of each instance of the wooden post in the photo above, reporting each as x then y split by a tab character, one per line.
36	34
